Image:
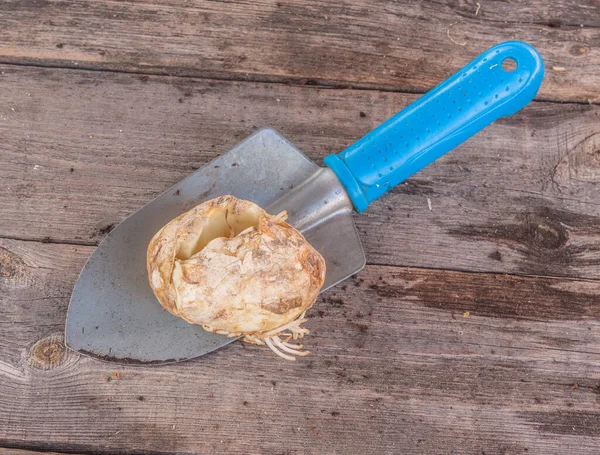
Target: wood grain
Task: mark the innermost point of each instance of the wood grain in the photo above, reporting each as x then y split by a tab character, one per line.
391	45
84	149
398	366
431	349
7	451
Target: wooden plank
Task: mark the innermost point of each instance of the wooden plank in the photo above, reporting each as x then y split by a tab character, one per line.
82	150
399	46
7	451
398	366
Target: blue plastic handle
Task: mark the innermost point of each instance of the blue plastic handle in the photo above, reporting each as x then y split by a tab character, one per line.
448	115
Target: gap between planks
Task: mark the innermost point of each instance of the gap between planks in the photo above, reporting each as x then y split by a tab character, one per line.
8	447
290	81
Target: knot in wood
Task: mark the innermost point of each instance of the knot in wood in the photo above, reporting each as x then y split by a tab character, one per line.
49	352
11	266
550	236
577	50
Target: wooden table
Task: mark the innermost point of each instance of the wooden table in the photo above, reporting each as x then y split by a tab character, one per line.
474	328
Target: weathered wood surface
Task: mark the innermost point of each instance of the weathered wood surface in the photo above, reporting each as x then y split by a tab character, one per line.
6	451
83	149
431	349
401	46
398	366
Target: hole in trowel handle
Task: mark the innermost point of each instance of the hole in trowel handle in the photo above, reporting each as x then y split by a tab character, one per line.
509	64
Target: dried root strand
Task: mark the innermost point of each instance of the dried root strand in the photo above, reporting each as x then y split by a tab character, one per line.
292	330
281	347
295	349
277	351
221	332
294	327
280	217
254	340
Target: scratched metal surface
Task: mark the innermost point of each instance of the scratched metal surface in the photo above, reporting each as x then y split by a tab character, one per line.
113	313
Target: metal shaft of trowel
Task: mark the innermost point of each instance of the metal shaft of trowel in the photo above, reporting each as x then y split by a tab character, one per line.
316	200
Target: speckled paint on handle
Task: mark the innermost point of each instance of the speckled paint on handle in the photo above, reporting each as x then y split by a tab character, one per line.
477	95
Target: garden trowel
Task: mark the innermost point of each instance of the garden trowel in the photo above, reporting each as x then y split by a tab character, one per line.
113	313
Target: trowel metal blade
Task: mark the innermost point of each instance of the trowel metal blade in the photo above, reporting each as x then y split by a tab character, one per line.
113	313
